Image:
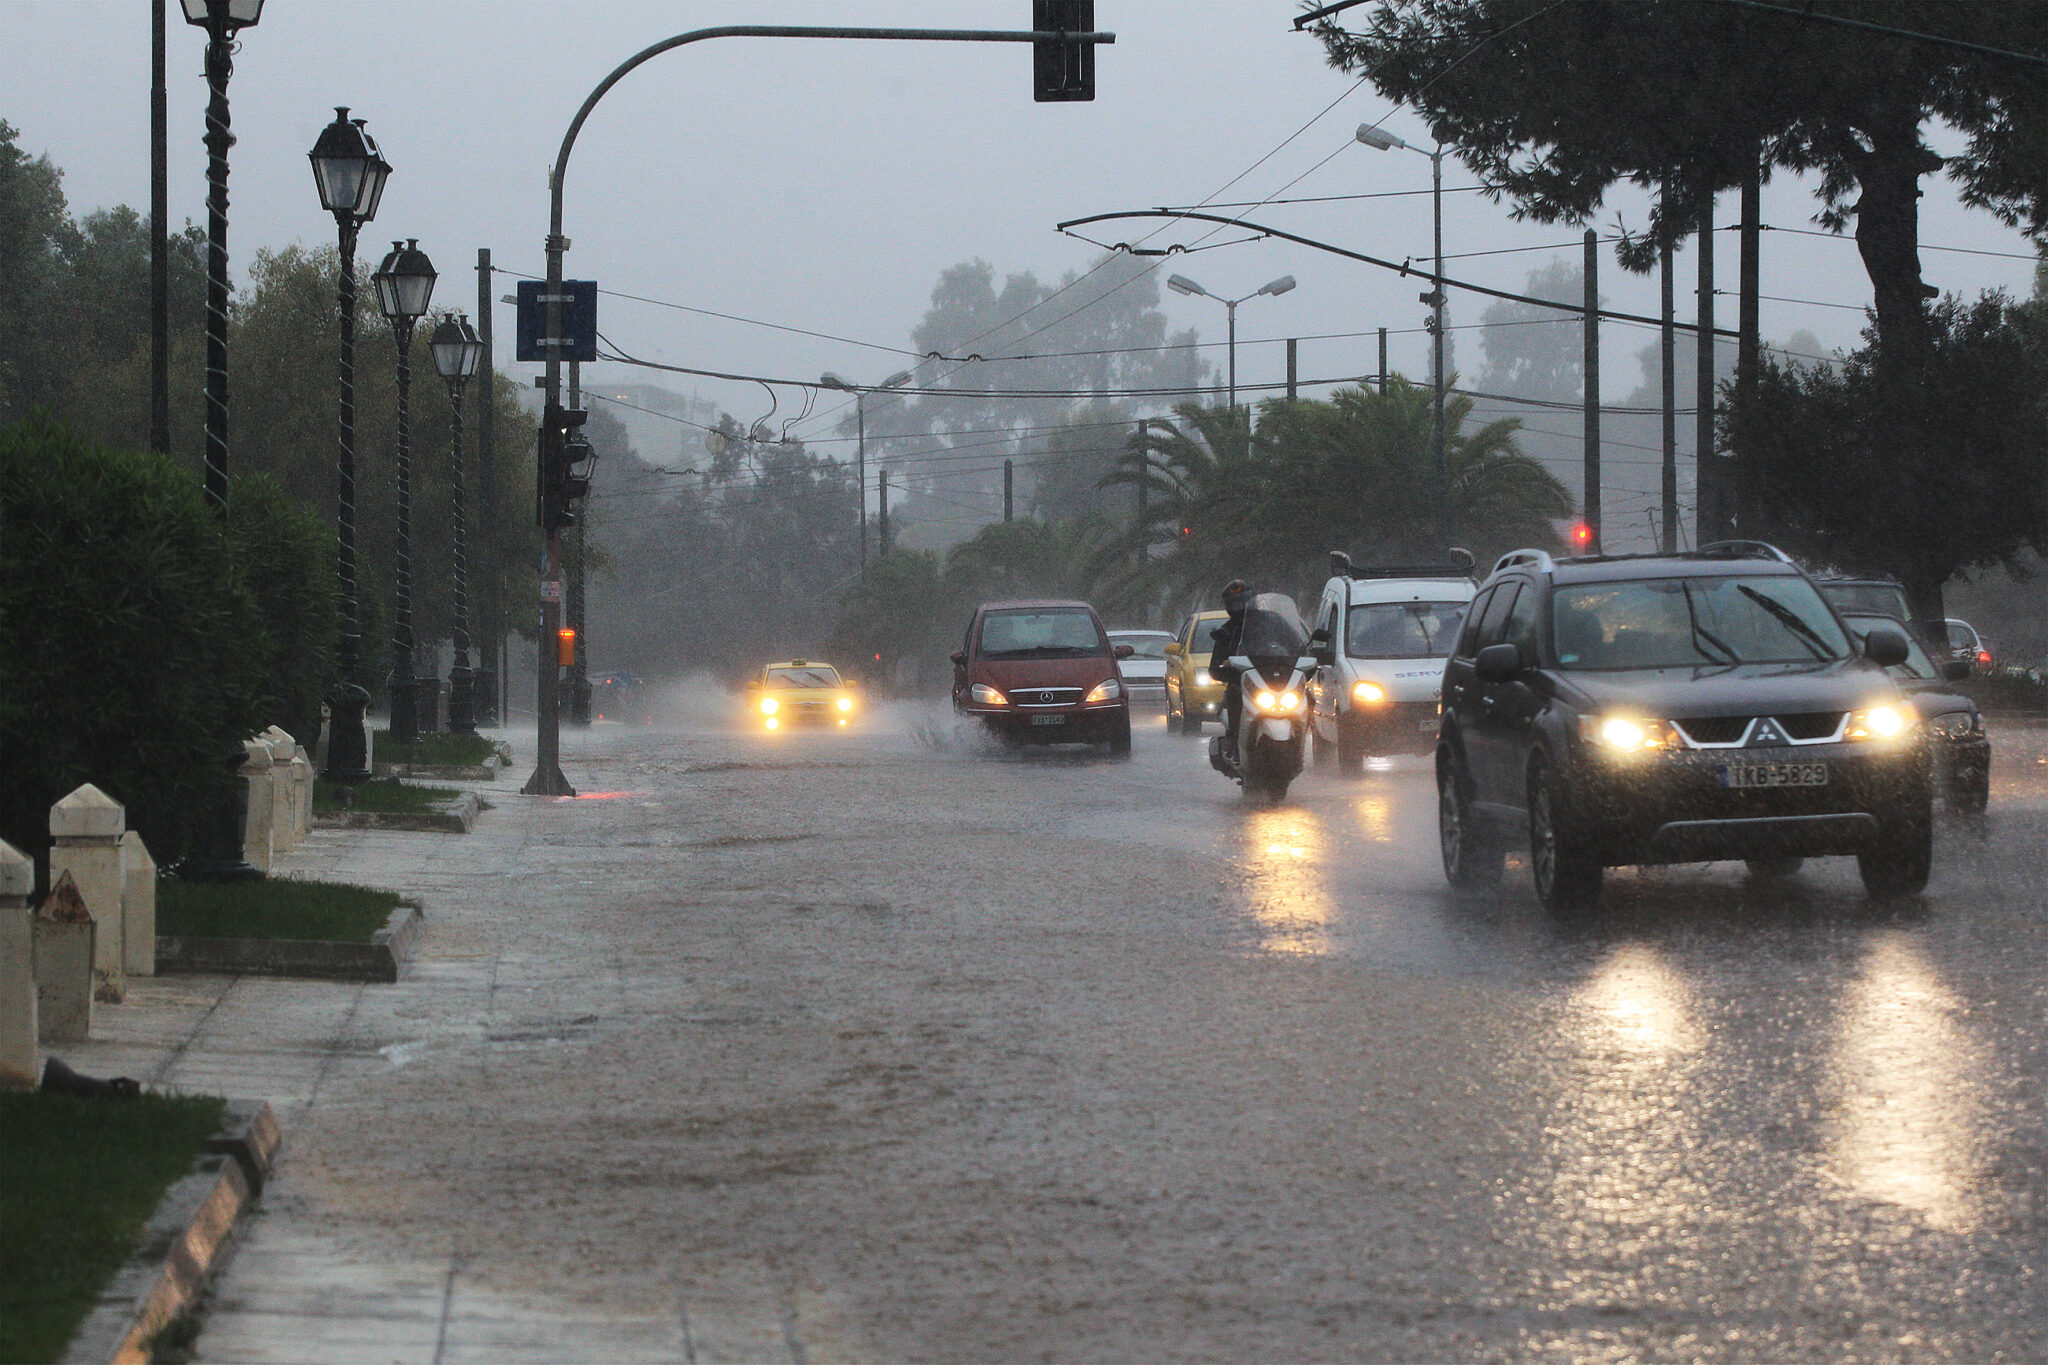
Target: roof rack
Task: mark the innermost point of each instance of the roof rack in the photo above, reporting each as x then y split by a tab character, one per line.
1460	566
1540	558
1744	549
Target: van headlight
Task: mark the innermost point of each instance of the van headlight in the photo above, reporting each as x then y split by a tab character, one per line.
1109	689
984	695
1888	721
1368	693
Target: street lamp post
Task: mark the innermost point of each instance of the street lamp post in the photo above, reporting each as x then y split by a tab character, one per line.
405	284
860	425
222	20
457	351
1181	284
350	175
1382	141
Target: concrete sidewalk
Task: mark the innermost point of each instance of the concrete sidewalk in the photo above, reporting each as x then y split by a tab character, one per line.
316	1276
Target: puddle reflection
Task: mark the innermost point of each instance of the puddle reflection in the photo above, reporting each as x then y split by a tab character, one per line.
1906	1071
1286	887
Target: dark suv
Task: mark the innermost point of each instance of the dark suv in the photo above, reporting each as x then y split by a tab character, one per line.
1625	709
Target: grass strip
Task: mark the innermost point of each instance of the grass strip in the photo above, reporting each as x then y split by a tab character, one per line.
438	746
82	1177
277	907
386	795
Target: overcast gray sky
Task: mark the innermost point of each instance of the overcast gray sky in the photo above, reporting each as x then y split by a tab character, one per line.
825	185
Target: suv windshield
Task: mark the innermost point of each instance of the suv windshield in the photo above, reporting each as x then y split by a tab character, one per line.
1027	634
816	675
1402	630
1694	622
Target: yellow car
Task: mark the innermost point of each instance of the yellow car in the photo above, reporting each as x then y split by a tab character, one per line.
1192	693
800	692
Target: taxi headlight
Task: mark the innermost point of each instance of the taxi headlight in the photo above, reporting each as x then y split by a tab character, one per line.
1888	721
1109	689
984	695
1625	734
1203	678
1368	693
846	703
772	722
769	706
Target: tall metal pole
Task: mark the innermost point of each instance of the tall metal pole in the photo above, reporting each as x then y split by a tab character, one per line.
1591	500
882	509
348	748
1144	436
1292	394
1442	480
484	687
1009	488
1710	513
461	682
579	666
159	241
404	690
1748	497
1383	360
219	66
547	779
1231	306
860	424
1668	366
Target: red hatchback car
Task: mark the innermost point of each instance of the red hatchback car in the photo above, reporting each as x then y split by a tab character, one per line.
1043	673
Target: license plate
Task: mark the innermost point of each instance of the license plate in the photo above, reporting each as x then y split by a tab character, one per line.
1774	775
1048	720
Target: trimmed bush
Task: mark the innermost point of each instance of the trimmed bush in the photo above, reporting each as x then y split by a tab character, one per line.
287	556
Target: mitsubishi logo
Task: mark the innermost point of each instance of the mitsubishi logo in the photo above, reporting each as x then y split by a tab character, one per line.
1768	734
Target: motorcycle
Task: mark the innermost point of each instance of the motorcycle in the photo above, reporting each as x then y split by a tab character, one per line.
1274	663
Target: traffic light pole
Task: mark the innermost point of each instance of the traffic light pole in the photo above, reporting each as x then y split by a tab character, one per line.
547	779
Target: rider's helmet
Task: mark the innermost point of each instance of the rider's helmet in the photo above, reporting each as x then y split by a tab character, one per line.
1236	595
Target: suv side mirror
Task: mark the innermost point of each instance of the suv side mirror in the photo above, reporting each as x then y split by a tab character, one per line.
1885	647
959	658
1124	651
1499	663
1956	670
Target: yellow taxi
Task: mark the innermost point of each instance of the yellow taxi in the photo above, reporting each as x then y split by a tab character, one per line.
1192	693
800	692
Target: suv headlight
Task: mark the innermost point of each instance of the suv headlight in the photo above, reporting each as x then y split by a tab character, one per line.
1627	734
1956	724
1277	703
984	695
1109	689
1889	721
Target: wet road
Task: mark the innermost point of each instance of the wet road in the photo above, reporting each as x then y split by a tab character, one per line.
952	1055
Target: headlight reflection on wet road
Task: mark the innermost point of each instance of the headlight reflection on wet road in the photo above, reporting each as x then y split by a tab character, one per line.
1286	886
1907	1072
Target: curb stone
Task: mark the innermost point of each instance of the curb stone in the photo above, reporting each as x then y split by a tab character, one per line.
457	817
445	772
181	1245
377	960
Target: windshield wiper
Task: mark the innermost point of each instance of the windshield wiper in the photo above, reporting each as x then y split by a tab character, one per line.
1790	620
1700	634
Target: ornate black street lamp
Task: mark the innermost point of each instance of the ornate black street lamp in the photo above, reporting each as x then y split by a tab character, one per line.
222	20
405	285
457	350
349	174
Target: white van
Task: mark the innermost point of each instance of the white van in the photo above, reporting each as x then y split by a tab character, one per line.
1381	680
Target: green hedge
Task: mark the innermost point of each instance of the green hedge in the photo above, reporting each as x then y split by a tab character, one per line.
138	643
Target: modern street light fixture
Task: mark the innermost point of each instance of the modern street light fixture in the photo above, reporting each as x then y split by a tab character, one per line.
457	352
349	173
860	421
405	284
1382	141
1181	284
222	20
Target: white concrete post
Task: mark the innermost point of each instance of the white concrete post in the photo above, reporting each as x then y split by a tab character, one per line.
138	907
87	827
256	840
20	1063
283	830
64	964
302	795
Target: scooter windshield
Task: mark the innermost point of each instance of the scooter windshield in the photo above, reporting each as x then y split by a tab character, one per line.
1273	628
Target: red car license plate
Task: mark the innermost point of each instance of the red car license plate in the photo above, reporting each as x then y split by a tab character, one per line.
1048	720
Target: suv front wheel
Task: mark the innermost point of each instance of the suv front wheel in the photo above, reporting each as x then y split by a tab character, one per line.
1567	880
1898	863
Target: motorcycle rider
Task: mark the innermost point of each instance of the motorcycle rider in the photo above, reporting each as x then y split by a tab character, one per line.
1237	594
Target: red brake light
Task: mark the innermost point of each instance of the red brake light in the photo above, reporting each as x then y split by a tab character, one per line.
1582	536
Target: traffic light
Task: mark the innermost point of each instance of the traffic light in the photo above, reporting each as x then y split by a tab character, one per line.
565	461
1062	71
1582	538
565	647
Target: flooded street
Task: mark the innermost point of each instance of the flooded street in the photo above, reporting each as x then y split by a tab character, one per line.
885	1046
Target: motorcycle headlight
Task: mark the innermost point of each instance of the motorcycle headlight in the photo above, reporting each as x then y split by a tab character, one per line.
769	706
1109	689
1889	721
984	695
1368	693
1277	703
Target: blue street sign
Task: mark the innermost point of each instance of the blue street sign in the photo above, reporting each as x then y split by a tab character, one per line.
578	340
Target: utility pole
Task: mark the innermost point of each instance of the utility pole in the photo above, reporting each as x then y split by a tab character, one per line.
1668	366
882	517
1009	488
1144	431
1711	513
1383	362
1291	394
1590	512
490	633
159	242
579	671
1748	497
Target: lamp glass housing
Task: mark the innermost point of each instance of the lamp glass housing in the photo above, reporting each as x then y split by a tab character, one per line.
229	13
405	281
347	169
456	347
